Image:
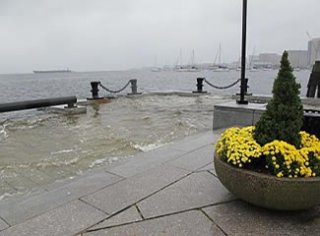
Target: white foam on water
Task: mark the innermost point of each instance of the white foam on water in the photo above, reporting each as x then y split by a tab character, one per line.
146	148
47	163
3	133
100	162
97	162
7	195
62	151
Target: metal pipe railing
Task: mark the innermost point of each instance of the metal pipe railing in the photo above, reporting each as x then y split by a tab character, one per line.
31	104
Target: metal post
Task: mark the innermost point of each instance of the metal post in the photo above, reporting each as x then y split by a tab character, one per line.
134	87
94	89
199	86
243	54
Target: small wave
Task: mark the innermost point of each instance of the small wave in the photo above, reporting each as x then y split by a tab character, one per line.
146	148
26	123
3	133
100	162
62	151
57	163
146	118
6	195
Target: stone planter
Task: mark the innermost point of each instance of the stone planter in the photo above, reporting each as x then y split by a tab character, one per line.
269	191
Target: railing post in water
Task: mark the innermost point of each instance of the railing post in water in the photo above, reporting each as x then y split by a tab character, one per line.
199	86
314	81
95	90
134	87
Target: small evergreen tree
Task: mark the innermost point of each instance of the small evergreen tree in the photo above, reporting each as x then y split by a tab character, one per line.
283	117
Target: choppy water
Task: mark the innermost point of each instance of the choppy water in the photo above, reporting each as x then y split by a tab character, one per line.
38	148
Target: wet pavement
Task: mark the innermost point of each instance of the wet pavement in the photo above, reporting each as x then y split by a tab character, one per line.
172	190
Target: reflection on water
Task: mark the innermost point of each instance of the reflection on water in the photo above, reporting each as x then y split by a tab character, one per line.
39	149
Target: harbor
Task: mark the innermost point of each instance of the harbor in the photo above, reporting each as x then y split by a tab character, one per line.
109	131
193	145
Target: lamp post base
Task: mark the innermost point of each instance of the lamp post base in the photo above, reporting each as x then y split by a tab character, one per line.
242	102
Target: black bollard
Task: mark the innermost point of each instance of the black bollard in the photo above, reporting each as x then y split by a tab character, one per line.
134	87
314	81
95	90
199	86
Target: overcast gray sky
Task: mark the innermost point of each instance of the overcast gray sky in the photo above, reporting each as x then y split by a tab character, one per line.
86	35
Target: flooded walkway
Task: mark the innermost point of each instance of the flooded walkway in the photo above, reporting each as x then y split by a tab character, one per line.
172	190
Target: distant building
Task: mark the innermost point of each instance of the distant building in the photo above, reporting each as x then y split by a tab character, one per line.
271	58
298	58
267	60
313	51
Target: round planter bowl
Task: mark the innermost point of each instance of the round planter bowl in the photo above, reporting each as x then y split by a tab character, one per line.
269	191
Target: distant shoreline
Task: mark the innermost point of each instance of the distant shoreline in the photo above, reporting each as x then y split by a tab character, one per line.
51	71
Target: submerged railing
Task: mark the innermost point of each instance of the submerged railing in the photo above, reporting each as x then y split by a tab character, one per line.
31	104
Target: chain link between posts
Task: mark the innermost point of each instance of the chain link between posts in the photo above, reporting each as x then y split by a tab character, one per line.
222	87
114	91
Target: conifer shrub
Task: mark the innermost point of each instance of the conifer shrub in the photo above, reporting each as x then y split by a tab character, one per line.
283	117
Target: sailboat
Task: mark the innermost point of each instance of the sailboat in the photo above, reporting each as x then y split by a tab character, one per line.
155	68
187	68
219	67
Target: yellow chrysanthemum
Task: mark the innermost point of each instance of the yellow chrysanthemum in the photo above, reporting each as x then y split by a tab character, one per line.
238	147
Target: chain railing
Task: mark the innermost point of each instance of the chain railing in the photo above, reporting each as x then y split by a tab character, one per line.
96	84
222	87
115	91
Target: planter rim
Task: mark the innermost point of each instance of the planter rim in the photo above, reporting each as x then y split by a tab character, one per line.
266	176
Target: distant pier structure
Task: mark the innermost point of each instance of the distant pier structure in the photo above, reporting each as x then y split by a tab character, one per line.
314	81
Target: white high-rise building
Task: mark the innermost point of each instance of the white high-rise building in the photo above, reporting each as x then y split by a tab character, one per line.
298	58
313	51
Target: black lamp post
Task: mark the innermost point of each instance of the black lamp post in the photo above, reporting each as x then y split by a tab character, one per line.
243	55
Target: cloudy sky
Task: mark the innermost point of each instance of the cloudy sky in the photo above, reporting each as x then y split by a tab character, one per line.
88	35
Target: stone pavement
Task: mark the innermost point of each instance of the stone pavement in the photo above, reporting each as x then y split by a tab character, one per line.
172	190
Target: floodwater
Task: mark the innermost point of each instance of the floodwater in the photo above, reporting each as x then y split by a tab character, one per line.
39	148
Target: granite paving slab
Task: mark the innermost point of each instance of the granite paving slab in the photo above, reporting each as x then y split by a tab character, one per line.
146	160
196	190
239	218
128	216
3	225
210	166
189	223
194	160
213	172
36	176
194	142
129	191
65	220
44	201
21	183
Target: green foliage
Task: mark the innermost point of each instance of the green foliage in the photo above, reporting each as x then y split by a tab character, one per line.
283	117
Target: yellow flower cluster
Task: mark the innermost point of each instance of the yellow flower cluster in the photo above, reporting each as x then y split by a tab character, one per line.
238	147
284	160
308	140
310	151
